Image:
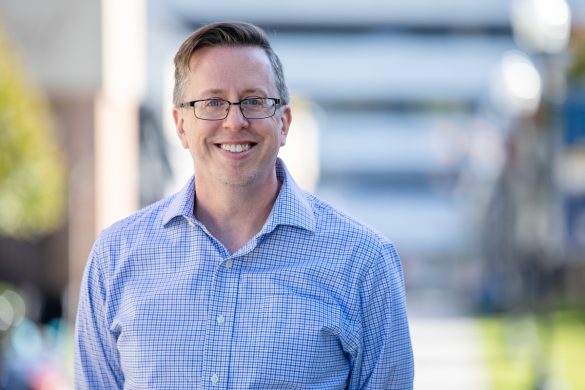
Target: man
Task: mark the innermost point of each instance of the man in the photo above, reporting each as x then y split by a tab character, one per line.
241	280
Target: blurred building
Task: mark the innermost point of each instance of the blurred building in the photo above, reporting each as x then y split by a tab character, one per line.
88	59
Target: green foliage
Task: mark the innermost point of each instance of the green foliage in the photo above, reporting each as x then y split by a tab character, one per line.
569	346
32	175
518	349
508	352
577	69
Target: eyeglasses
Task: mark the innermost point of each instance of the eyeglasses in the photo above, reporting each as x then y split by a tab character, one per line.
218	109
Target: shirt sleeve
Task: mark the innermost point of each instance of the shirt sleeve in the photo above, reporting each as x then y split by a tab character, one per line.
385	359
97	364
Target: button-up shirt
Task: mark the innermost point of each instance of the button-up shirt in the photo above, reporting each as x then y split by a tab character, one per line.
315	300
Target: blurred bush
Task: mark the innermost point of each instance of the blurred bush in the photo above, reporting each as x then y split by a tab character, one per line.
32	172
577	68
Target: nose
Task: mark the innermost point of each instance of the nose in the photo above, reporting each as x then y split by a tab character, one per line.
235	120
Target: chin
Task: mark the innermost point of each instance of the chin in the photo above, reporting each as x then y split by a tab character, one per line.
238	180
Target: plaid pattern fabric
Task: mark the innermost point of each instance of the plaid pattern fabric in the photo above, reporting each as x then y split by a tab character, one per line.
314	301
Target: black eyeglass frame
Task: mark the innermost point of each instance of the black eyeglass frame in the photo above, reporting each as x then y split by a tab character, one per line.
192	103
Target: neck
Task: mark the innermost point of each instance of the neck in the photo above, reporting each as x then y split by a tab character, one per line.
234	214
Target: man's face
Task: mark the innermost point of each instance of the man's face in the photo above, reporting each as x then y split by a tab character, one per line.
232	73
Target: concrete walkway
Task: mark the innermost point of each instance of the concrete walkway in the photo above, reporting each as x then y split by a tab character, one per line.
447	354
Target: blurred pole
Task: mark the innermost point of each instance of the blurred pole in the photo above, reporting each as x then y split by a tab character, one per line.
542	27
117	122
116	134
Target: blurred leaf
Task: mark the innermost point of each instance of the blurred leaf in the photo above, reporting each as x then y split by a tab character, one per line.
577	70
32	173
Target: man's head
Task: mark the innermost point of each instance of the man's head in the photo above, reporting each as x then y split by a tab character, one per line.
229	34
231	109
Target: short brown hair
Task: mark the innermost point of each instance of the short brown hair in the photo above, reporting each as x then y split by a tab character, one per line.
225	34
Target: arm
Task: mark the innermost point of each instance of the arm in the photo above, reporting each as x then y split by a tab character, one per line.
97	364
385	360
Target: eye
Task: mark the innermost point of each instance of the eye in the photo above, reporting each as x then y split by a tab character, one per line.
213	103
255	102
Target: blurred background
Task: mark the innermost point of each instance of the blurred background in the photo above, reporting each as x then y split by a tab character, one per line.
455	127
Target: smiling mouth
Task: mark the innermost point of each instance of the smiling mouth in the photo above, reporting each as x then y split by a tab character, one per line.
236	148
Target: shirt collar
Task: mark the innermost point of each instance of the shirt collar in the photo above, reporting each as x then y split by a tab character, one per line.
182	203
290	208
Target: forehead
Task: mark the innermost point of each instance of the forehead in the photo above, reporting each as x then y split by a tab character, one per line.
230	68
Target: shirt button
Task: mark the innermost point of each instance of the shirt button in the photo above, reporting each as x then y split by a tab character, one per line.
229	263
220	319
191	223
214	379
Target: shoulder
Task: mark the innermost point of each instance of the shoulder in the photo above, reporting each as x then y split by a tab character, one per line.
331	220
343	233
139	226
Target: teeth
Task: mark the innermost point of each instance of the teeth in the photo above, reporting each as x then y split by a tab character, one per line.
235	148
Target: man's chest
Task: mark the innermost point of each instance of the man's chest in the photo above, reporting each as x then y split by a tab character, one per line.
230	321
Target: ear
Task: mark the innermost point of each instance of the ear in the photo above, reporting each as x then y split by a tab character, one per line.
180	126
285	120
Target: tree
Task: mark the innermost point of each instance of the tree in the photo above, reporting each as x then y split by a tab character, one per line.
32	170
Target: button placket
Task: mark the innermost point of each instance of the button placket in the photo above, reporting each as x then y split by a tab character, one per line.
223	299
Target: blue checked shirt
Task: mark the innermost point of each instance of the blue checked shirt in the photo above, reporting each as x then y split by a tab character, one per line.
314	301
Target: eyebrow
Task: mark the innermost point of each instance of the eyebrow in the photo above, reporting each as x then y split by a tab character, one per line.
208	92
